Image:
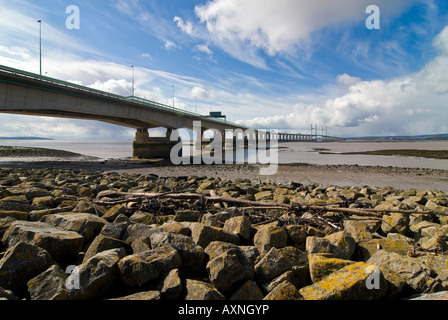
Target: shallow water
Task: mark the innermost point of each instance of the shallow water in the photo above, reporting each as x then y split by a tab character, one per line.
290	152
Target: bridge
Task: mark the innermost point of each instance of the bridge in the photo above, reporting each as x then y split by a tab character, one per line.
27	93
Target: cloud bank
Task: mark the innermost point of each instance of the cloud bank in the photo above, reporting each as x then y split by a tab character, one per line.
412	104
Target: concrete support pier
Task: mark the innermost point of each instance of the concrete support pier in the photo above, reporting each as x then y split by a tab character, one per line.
145	147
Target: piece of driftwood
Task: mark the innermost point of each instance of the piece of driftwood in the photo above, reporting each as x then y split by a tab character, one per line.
378	213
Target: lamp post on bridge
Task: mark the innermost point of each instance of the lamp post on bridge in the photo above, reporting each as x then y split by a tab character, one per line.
173	95
40	47
133	81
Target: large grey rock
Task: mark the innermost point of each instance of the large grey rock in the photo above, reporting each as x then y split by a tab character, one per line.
22	262
203	234
395	223
192	256
86	224
138	269
348	283
416	274
199	290
103	243
283	291
271	265
341	244
63	246
49	285
229	268
270	237
171	287
249	290
93	278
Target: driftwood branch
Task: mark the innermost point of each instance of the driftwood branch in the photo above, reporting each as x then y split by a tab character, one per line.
378	213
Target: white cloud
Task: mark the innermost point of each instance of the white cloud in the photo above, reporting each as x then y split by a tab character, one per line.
186	27
170	45
412	104
204	48
200	93
242	27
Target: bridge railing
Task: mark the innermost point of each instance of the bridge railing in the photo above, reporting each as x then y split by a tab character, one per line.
133	99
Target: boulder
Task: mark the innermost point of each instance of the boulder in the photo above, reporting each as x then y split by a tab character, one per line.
171	286
400	245
138	230
395	223
249	290
93	278
321	266
114	212
228	268
85	224
283	291
192	256
140	268
114	230
270	237
175	227
199	290
296	234
241	226
416	274
341	244
271	265
43	202
49	285
203	234
361	228
188	215
103	243
21	263
348	283
63	246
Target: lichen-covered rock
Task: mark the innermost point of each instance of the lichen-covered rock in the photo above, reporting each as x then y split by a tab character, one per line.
93	278
192	256
296	234
199	290
284	291
347	283
203	234
321	266
360	228
249	290
229	268
171	286
63	246
395	223
341	244
240	226
270	237
85	224
399	245
152	295
49	285
271	265
416	274
140	268
103	243
22	262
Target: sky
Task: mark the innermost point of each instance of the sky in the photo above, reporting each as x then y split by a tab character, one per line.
267	64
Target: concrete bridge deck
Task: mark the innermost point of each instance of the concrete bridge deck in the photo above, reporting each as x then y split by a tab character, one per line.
27	93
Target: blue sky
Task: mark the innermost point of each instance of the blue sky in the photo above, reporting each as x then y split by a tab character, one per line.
283	64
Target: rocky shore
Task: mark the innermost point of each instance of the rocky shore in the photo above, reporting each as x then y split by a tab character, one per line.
83	235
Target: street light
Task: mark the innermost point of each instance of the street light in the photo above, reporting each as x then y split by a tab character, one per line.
173	95
40	46
133	81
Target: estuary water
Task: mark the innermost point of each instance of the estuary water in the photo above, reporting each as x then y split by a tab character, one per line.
290	152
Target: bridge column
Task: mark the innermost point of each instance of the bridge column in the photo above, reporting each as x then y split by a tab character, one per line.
145	147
